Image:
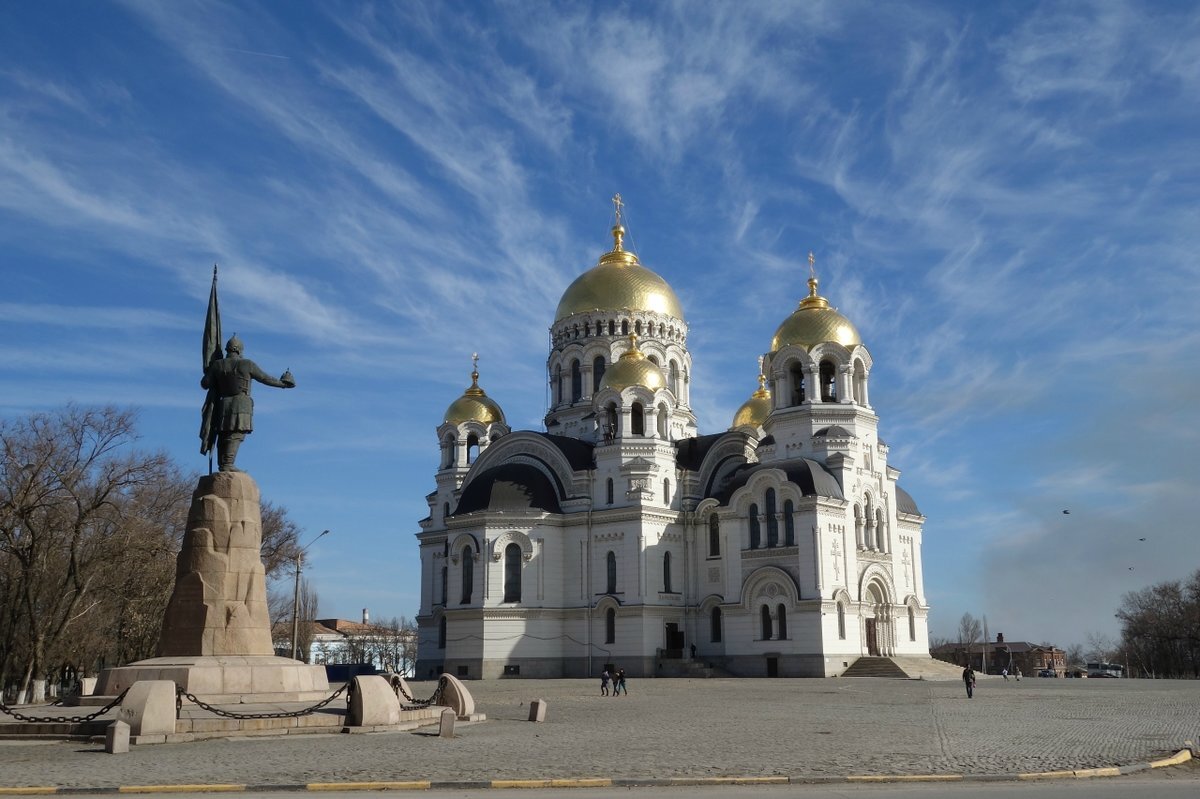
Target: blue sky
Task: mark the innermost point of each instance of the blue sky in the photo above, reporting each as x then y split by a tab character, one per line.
1002	197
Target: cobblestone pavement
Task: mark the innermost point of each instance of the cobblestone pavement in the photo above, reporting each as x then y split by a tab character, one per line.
687	728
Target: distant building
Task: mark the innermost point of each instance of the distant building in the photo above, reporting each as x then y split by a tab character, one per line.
1030	658
782	547
337	641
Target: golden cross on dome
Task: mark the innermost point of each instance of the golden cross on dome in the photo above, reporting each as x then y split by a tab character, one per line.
475	361
760	363
812	271
618	205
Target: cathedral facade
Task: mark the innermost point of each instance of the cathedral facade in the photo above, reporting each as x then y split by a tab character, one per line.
620	536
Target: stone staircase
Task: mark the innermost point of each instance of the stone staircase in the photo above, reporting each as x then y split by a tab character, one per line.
903	667
875	667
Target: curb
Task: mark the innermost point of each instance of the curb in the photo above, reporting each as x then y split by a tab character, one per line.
1180	757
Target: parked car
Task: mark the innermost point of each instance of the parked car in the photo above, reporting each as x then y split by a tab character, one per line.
1047	673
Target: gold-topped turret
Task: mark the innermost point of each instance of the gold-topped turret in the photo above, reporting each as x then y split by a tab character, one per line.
754	411
618	282
815	321
474	405
633	368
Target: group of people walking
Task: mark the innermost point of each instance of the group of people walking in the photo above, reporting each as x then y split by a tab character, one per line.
617	678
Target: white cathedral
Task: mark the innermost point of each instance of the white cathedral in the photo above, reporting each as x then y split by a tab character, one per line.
620	536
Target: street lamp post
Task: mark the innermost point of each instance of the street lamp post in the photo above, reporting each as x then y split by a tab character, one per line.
296	597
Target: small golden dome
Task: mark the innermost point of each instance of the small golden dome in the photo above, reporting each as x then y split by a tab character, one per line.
633	369
617	283
754	411
474	405
814	322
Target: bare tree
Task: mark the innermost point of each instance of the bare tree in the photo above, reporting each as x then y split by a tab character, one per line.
73	494
970	630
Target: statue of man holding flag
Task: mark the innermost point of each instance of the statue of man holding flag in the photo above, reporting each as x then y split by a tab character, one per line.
228	414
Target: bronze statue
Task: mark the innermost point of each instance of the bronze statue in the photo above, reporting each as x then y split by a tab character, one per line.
229	410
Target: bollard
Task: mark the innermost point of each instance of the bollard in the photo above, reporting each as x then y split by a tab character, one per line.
537	710
116	738
446	726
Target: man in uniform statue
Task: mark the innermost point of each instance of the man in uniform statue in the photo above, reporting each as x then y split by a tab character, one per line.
232	410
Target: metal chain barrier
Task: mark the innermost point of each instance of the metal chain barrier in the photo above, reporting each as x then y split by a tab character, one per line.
436	699
63	719
287	714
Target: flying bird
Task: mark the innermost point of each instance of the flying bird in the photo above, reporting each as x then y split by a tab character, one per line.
1141	539
1066	511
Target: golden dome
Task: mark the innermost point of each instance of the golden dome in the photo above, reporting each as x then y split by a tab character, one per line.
474	405
633	369
754	411
617	283
814	322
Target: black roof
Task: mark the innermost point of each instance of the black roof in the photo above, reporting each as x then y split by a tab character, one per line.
690	452
810	476
905	503
510	486
578	453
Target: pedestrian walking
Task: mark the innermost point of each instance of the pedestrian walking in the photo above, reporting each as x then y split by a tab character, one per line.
619	684
604	683
969	680
1004	674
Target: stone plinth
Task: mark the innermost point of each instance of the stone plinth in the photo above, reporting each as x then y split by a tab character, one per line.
226	679
219	605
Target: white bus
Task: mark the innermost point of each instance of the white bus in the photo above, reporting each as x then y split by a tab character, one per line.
1105	670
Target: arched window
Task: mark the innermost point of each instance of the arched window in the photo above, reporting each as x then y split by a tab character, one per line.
610	626
912	624
558	385
828	382
667	573
624	327
841	621
610	422
714	536
445	585
789	524
662	417
637	328
772	521
764	615
597	372
714	630
860	382
638	419
472	448
781	621
448	452
611	327
445	510
880	530
755	532
796	371
576	381
673	381
858	528
468	575
609	490
587	329
666	491
442	633
512	573
611	573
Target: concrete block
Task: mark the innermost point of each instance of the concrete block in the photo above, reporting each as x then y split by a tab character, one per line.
456	695
149	708
116	738
87	686
373	703
446	725
537	710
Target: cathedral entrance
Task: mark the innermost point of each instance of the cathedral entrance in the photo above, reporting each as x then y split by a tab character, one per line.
872	639
674	636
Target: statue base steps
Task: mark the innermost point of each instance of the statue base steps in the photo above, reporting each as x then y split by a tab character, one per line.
222	679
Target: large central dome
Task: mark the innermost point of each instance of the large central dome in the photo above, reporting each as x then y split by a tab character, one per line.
618	283
814	322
